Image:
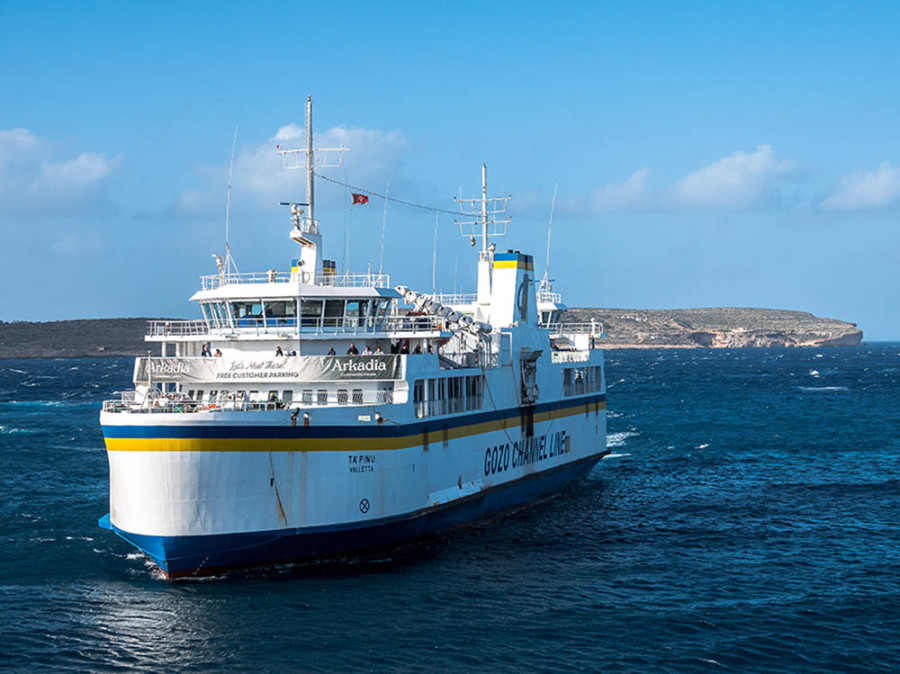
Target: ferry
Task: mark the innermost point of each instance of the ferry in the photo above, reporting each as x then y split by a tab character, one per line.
315	414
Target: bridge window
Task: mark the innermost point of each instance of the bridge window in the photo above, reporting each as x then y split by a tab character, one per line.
281	312
310	312
334	313
356	313
247	314
380	310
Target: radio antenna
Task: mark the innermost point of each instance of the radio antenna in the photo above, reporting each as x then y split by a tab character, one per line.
545	282
229	261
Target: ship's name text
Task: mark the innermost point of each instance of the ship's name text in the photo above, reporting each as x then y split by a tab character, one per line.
524	452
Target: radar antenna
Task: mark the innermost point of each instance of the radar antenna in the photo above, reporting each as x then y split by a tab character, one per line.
484	211
290	159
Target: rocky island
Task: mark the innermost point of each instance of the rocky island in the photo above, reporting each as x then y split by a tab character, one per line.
723	327
625	328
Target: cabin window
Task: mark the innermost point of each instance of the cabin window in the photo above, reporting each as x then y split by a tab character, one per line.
306	396
322	397
273	397
431	398
334	313
247	314
456	394
281	312
342	396
442	395
419	398
357	396
287	396
310	312
474	392
356	313
380	310
199	395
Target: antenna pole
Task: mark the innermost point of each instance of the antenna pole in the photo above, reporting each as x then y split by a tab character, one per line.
484	236
310	162
434	258
549	232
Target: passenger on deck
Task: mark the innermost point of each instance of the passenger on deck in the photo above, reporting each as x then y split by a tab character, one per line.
278	351
367	351
378	351
418	349
352	351
205	352
331	351
218	354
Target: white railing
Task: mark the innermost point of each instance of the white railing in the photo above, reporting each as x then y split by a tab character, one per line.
570	356
349	280
308	326
306	398
592	328
456	299
549	296
177	328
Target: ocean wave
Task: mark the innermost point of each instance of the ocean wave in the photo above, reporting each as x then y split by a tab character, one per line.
50	403
6	430
619	439
813	389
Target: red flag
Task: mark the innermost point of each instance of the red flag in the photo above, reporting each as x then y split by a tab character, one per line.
359	198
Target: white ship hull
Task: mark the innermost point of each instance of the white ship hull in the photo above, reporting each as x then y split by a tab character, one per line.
201	496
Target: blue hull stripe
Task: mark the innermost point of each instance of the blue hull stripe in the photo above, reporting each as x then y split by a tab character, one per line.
180	556
388	430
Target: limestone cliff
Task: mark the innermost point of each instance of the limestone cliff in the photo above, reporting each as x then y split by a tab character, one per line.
724	327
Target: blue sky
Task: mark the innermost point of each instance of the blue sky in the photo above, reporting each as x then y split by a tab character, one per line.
707	153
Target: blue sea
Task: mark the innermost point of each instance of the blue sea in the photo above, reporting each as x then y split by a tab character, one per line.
747	520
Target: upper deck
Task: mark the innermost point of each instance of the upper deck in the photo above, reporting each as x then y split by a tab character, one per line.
350	280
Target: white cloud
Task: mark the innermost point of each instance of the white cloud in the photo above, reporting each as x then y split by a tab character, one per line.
741	181
78	244
373	156
33	184
258	169
865	190
619	196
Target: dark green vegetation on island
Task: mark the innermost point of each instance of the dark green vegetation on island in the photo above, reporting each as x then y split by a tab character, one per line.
635	328
75	339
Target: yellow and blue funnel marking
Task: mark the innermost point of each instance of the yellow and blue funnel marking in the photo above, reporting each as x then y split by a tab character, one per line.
513	261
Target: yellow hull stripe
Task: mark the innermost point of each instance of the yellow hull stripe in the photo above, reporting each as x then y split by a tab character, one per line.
334	444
